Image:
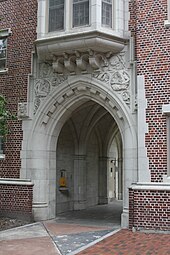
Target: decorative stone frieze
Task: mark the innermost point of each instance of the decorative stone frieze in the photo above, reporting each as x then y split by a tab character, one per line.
115	73
107	68
42	88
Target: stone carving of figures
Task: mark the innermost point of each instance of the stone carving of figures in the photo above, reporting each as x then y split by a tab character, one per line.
42	88
45	70
117	63
22	110
120	80
58	80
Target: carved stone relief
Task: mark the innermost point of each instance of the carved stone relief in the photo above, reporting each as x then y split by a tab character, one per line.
116	75
22	110
42	88
107	68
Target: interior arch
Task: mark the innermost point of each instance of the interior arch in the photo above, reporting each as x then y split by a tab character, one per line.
81	152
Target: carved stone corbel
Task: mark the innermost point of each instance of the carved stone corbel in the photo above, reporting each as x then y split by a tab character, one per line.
93	60
81	64
69	65
58	66
94	63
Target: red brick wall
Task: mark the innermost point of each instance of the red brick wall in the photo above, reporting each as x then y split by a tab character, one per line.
152	56
16	200
21	18
149	209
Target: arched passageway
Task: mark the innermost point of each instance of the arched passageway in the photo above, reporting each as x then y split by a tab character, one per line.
89	150
86	130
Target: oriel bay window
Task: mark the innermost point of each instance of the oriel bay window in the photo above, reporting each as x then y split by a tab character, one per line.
68	14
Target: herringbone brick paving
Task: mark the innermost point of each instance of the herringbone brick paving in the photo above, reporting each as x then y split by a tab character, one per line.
126	242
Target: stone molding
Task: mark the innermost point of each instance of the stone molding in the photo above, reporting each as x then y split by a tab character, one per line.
150	186
78	90
11	181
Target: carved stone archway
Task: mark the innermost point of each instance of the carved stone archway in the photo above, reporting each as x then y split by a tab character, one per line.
41	135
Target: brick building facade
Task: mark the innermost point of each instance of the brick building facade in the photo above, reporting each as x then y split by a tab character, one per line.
91	89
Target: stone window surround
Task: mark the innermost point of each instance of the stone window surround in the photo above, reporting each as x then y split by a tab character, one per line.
167	22
120	21
166	111
5	33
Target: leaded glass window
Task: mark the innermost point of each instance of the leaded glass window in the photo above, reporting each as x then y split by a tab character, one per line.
56	15
3	53
107	12
80	13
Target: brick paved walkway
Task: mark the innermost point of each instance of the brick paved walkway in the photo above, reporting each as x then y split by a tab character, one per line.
127	243
53	238
95	231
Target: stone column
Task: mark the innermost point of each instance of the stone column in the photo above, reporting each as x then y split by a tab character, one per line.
80	182
120	178
103	198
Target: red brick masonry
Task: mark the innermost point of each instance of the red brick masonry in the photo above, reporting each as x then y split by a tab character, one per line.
16	198
149	209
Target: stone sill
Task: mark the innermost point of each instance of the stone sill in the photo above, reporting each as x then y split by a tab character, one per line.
4	71
167	23
166	109
150	186
2	156
11	181
5	32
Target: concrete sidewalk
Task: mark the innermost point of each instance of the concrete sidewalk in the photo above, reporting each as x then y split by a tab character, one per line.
50	237
54	238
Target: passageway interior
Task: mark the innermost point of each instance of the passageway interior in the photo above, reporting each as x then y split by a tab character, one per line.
108	215
89	162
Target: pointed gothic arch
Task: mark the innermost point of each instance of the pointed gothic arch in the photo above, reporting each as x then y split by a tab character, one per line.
41	136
